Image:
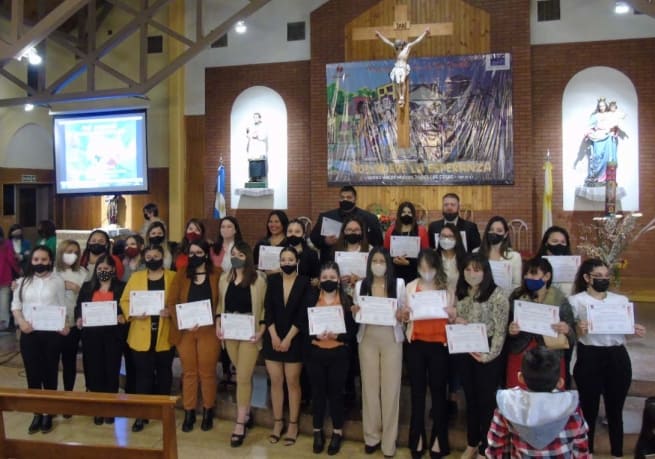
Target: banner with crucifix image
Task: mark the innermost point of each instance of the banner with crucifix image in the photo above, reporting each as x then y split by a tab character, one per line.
460	116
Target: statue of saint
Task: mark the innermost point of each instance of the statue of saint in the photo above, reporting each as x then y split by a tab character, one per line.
257	149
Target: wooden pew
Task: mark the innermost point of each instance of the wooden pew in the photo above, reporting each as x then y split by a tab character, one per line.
87	404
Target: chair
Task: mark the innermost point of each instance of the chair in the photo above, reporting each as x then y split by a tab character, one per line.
520	237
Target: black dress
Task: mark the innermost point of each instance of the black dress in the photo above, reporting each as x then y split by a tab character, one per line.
284	316
308	265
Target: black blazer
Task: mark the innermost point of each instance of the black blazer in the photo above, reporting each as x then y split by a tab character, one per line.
470	228
86	294
294	312
308	265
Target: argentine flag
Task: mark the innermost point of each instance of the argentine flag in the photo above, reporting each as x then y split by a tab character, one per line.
219	202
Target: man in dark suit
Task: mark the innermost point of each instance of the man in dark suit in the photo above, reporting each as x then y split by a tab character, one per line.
347	208
450	212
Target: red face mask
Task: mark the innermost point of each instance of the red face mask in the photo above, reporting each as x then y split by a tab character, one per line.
131	251
192	236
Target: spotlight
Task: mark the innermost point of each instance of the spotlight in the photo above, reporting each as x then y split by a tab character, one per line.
29	107
240	27
621	8
32	57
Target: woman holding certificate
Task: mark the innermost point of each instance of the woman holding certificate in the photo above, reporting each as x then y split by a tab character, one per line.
241	326
191	301
330	332
144	305
98	303
603	365
379	297
453	254
506	264
480	301
39	309
276	235
556	243
286	297
405	238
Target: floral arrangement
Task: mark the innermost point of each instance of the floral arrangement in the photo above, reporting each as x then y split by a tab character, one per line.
386	219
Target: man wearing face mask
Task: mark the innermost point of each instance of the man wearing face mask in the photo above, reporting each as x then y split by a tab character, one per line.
450	212
347	208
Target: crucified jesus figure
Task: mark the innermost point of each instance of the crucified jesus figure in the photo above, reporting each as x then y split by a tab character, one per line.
401	69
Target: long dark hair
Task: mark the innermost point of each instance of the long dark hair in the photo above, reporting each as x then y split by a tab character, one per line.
218	245
84	260
104	258
460	251
341	243
334	266
284	220
485	247
297	221
487	286
543	248
433	260
46	229
29	269
389	276
185	244
209	265
396	227
249	270
587	266
531	267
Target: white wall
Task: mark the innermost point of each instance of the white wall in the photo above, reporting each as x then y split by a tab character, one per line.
589	20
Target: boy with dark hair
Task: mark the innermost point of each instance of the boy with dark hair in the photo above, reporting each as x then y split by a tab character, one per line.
542	421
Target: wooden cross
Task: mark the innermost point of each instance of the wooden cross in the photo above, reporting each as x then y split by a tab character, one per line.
402	29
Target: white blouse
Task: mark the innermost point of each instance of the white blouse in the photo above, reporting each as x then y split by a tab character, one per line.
78	278
579	304
40	291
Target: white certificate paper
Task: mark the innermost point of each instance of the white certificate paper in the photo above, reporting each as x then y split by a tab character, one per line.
269	257
352	263
501	271
99	313
326	319
240	327
405	246
611	318
429	304
330	227
565	267
377	311
536	317
467	338
148	302
195	313
46	318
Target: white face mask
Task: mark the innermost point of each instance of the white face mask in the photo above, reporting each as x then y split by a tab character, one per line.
378	269
447	244
427	276
69	259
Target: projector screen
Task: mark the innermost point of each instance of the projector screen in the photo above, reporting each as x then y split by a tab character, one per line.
101	152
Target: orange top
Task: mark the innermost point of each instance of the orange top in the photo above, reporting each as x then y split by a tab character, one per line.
430	330
102	296
327	343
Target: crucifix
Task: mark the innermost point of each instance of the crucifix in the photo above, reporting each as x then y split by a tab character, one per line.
401	31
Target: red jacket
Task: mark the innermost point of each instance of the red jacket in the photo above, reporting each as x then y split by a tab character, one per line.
8	264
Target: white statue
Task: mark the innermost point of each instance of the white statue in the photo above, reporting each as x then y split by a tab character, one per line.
257	149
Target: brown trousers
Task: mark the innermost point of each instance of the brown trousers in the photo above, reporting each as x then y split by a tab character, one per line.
199	351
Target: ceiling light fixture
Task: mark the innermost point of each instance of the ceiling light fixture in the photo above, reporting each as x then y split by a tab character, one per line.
240	27
29	107
621	8
32	56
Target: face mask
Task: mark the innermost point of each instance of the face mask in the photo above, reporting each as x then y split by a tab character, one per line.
329	286
39	268
191	236
495	238
473	279
406	219
195	261
69	259
600	285
346	206
294	240
378	269
97	249
352	238
154	265
288	269
131	251
146	216
557	249
157	240
104	276
450	216
237	263
427	276
534	284
447	244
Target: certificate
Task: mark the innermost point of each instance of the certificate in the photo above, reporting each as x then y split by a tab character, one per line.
429	304
46	318
565	267
326	319
536	317
240	327
269	257
405	246
461	233
377	311
501	271
611	318
352	263
99	313
195	313
146	302
330	227
467	338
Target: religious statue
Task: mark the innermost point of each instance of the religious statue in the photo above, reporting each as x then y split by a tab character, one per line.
401	69
257	149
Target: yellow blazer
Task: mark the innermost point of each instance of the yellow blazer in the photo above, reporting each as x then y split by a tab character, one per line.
257	294
138	338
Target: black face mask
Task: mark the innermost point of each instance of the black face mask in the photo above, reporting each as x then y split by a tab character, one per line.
104	276
157	240
40	268
450	216
557	249
294	240
346	206
329	286
97	249
352	238
406	219
146	216
196	261
495	238
154	265
288	269
600	285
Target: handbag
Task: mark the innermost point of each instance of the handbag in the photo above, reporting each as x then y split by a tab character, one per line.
561	342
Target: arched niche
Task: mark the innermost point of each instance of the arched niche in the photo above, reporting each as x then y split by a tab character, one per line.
30	147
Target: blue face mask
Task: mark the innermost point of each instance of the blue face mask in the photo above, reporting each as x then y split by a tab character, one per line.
534	284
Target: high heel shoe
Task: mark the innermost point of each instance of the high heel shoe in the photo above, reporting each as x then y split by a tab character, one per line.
335	444
35	426
290	441
250	421
275	438
207	419
319	441
237	439
189	420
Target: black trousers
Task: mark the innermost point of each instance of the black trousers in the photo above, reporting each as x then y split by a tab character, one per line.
70	344
605	371
328	369
154	373
40	351
427	365
103	349
480	382
130	371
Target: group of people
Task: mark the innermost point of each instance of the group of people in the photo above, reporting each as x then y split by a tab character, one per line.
453	258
